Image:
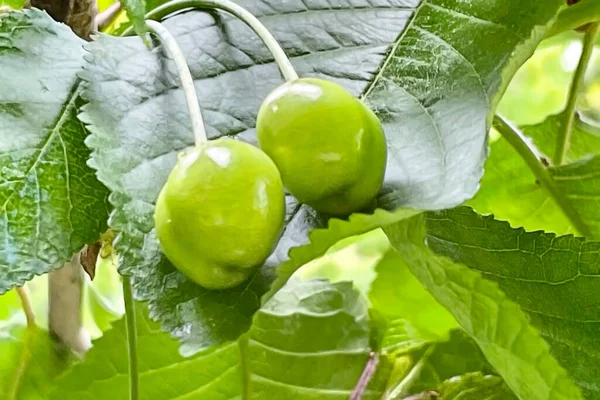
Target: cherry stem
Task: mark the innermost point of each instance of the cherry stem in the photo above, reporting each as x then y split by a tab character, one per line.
283	62
187	82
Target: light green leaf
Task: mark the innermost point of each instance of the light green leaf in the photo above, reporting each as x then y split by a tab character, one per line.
444	62
581	183
497	324
507	177
437	362
553	278
312	341
29	362
164	373
51	203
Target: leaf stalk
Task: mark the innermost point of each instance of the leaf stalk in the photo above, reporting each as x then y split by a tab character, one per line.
564	137
537	164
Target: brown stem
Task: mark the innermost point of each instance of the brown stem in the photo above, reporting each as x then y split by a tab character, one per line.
365	377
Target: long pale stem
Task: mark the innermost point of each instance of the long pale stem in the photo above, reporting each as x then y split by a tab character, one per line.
132	347
539	169
564	137
283	62
187	82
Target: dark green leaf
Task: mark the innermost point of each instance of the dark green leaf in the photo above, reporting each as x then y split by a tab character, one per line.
497	324
51	202
553	278
312	341
437	81
507	178
164	374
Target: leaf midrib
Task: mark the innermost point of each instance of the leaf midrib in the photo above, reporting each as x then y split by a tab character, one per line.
55	130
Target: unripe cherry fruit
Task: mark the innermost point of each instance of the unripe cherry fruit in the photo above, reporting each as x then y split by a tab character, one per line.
328	145
220	212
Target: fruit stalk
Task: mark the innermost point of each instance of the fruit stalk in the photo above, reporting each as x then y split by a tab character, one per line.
187	82
284	64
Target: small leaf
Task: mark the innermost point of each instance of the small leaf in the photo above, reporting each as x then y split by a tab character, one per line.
164	374
311	341
496	323
553	278
51	203
508	177
475	386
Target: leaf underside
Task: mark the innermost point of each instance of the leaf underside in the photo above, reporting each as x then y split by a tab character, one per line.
436	129
51	202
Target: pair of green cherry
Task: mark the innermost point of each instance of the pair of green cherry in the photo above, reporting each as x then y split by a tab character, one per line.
221	211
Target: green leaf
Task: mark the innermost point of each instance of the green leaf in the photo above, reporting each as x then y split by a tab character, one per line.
312	341
413	315
138	118
51	203
475	386
581	183
136	10
507	177
164	373
439	362
553	278
29	362
443	78
497	324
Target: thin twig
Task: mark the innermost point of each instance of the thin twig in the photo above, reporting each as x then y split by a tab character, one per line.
564	137
535	162
23	293
15	383
132	349
365	377
106	17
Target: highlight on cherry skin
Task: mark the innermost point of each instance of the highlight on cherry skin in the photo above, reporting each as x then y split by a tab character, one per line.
328	145
220	213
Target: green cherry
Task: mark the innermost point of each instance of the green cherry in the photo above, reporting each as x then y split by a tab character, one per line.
328	145
220	212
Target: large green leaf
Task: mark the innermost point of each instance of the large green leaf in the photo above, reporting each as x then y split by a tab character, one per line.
164	373
498	325
507	177
443	64
51	202
312	341
29	362
555	279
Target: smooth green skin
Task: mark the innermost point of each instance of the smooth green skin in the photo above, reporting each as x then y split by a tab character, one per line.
220	213
328	145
